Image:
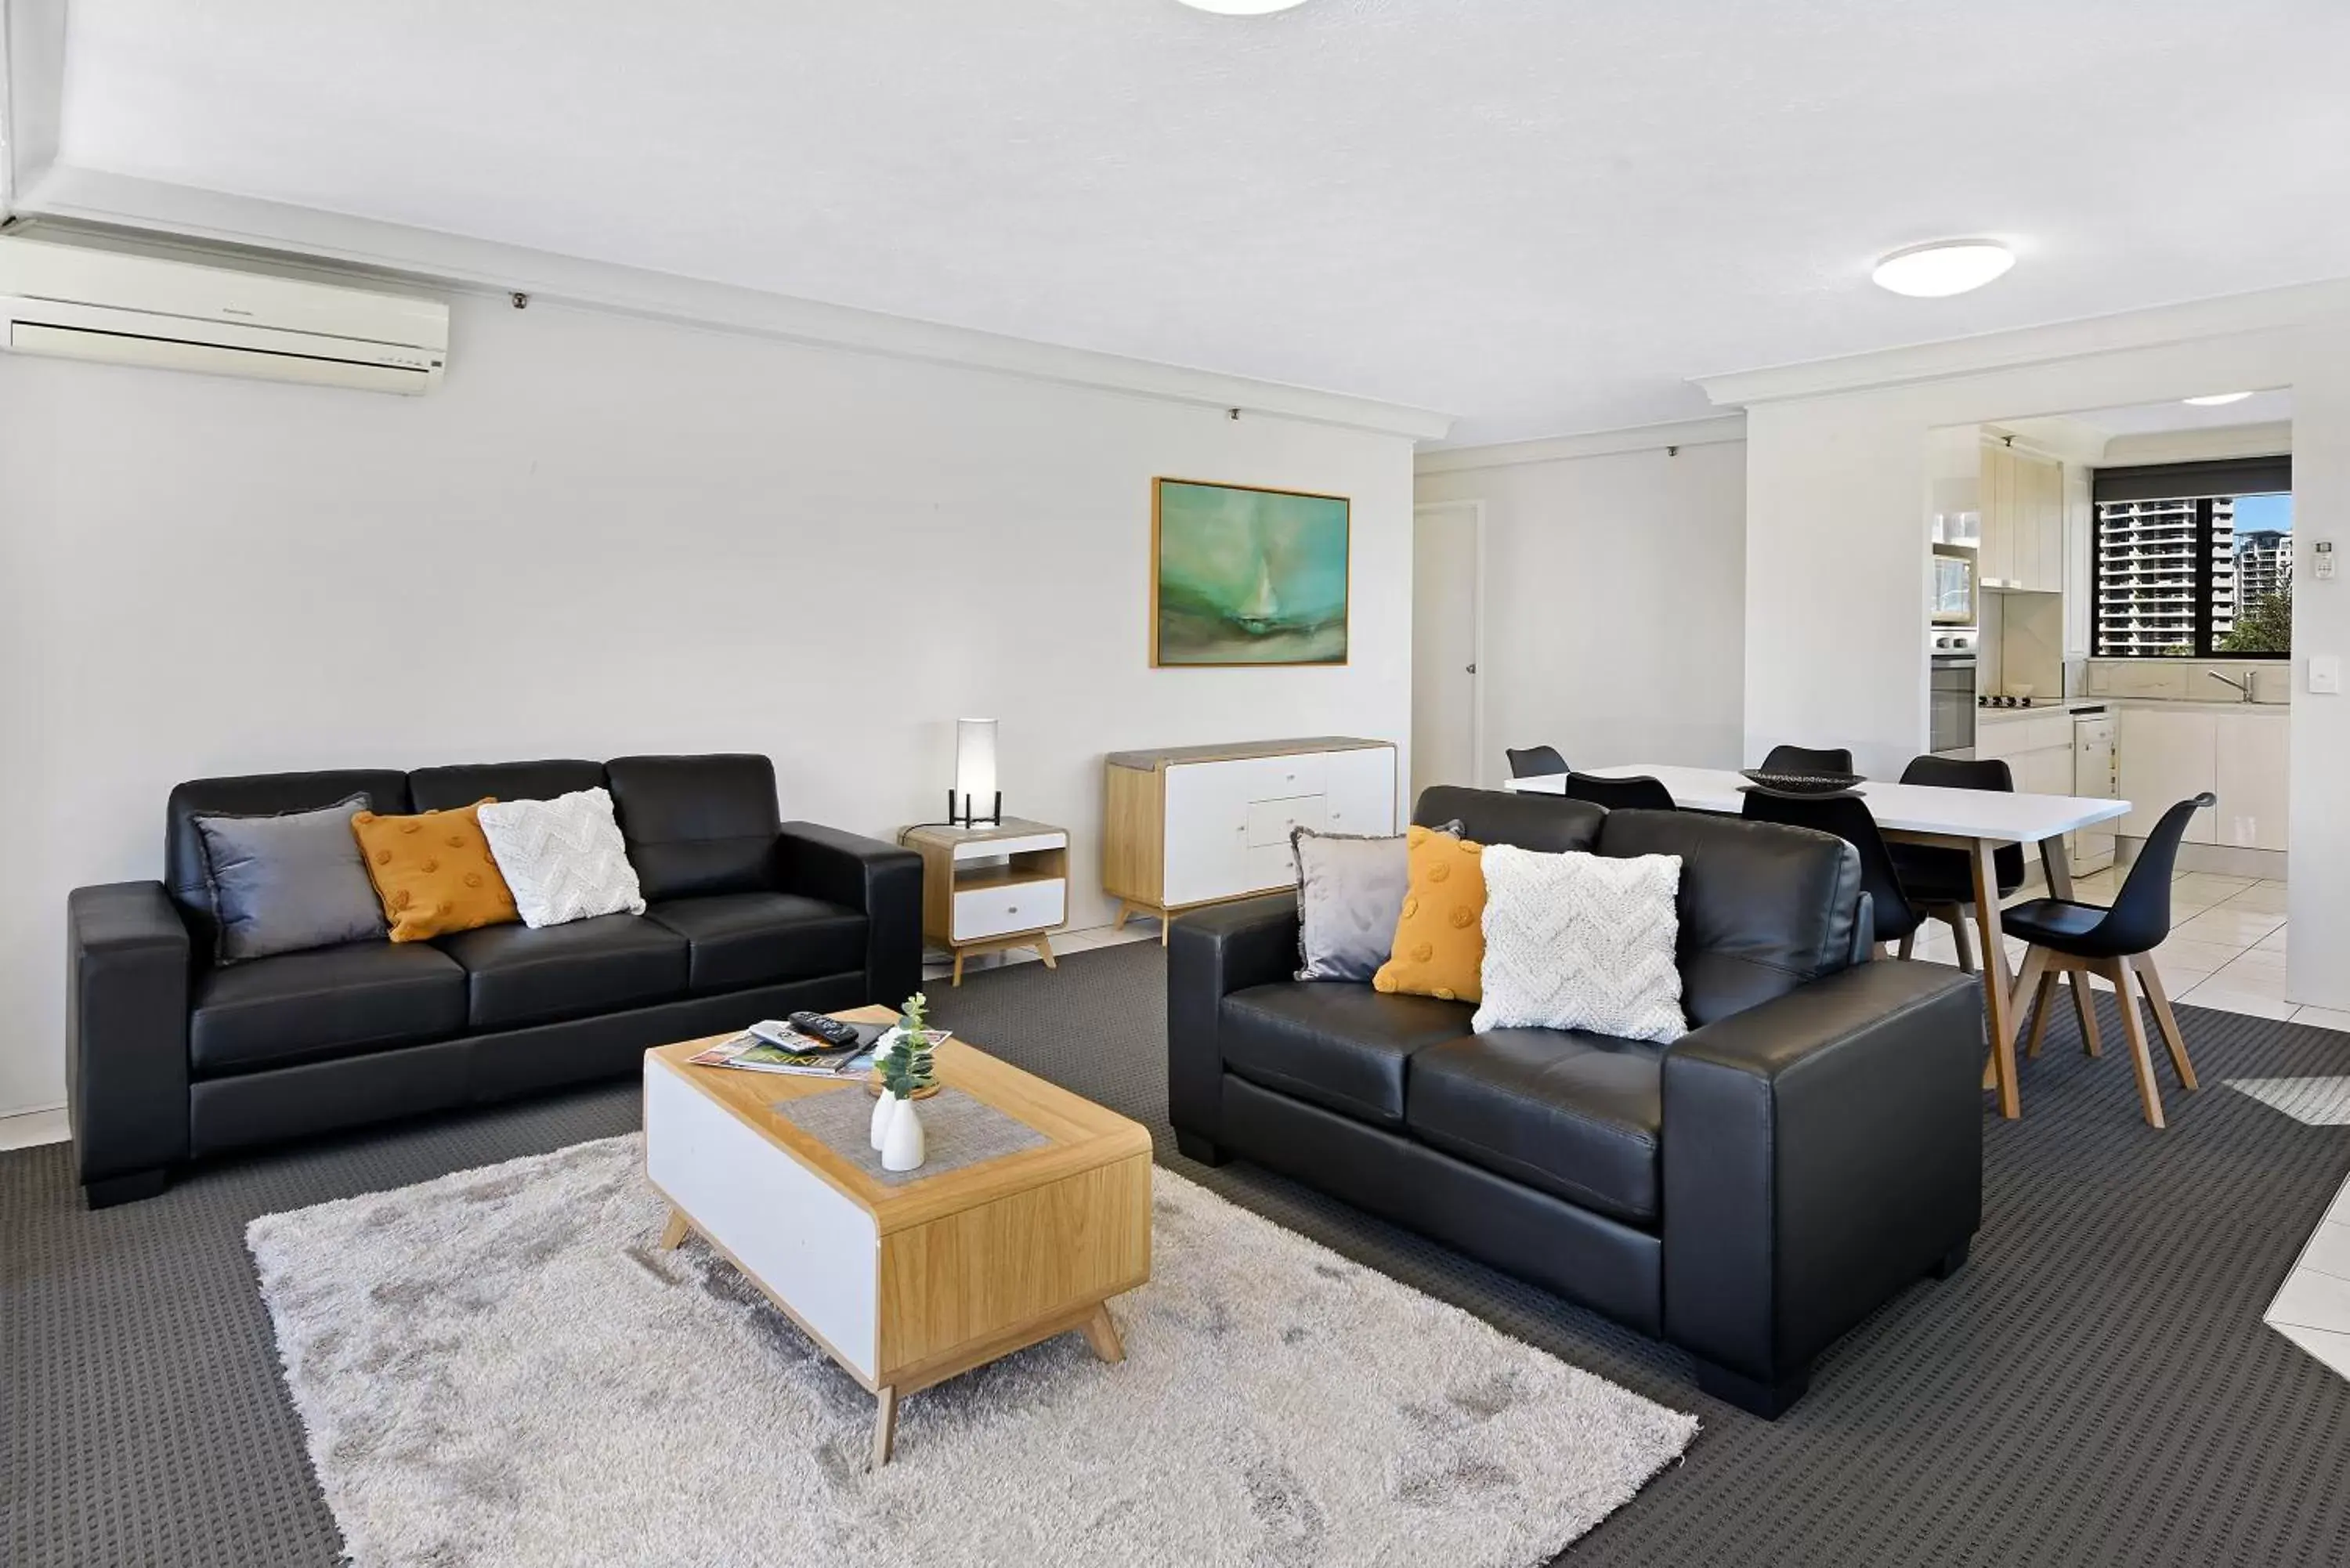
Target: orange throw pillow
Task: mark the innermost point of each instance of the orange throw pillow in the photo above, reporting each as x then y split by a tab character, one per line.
434	872
1439	942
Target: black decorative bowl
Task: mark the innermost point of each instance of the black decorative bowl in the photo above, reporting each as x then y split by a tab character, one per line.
1803	784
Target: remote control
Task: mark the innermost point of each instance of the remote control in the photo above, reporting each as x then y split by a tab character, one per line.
831	1031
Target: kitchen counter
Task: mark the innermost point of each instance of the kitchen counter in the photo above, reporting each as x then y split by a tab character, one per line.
2161	704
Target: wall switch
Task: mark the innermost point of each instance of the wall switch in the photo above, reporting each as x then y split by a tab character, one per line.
2324	672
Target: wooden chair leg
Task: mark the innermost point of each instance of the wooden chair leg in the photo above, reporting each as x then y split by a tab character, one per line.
1908	942
1958	939
2031	991
2043	1001
2085	1007
2166	1021
2133	1029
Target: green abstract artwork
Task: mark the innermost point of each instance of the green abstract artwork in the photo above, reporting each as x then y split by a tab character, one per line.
1247	576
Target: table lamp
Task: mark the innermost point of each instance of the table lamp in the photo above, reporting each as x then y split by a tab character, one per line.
974	783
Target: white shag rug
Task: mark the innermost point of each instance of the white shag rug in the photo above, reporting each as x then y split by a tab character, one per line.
498	1368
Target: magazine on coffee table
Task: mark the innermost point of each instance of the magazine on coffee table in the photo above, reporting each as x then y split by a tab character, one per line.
815	1060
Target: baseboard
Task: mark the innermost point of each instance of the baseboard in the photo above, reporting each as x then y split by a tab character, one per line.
2218	860
35	1126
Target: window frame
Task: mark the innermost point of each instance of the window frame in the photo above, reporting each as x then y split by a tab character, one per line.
2200	483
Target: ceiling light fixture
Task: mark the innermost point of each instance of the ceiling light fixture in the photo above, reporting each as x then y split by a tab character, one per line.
2216	399
1242	8
1943	267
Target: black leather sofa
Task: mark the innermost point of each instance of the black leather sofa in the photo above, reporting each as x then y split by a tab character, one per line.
171	1058
1812	1146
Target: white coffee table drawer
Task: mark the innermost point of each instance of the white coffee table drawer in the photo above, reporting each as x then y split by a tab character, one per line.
984	912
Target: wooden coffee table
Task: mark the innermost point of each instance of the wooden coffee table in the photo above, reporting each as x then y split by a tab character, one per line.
906	1286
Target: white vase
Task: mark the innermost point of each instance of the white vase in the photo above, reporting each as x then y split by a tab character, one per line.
901	1143
885	1111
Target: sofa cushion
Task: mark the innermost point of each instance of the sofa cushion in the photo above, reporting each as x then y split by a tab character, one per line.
327	1002
434	872
521	974
286	884
252	795
1346	1047
697	825
1763	909
736	939
1439	943
562	859
445	789
1577	1115
1550	824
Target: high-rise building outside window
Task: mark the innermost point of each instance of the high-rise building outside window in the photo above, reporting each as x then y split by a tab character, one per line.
2193	560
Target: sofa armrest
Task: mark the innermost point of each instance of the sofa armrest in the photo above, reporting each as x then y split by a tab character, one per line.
1211	953
880	881
1821	1151
127	952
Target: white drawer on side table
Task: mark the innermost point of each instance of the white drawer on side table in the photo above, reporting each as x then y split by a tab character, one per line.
991	888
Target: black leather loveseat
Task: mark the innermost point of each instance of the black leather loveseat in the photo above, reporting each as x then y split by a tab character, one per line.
170	1058
1810	1148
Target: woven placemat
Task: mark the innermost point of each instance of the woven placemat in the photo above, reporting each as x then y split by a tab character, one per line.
957	1130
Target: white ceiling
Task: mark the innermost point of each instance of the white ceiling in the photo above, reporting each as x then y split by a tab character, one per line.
1543	215
2274	407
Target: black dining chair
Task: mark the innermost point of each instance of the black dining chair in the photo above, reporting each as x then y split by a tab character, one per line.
1534	761
1941	882
2114	942
1807	760
1847	817
1639	793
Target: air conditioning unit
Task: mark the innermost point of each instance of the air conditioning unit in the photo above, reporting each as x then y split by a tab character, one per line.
77	302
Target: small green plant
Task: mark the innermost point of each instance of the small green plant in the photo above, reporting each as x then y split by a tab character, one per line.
906	1065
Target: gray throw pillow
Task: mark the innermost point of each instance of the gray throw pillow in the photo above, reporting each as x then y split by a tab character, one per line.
280	884
1350	893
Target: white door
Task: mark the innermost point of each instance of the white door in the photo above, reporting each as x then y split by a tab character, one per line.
1448	547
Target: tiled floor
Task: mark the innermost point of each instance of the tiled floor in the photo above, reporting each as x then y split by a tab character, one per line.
2313	1307
2226	949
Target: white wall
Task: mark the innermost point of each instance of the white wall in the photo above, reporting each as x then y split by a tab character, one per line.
606	535
1614	603
1837	543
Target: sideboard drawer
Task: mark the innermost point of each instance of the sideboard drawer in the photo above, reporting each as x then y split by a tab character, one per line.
984	912
1272	821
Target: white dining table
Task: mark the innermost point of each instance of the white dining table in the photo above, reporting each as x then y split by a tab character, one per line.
1975	820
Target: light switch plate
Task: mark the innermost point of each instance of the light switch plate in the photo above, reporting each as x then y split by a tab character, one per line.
2325	673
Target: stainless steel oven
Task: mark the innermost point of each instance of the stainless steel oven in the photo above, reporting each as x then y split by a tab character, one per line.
1952	692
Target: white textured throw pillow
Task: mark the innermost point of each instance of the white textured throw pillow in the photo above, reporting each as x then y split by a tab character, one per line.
563	857
1582	941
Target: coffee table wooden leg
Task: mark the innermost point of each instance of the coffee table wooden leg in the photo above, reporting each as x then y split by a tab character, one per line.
675	1230
1101	1333
885	1425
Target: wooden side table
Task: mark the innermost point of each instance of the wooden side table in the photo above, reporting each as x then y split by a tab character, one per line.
988	888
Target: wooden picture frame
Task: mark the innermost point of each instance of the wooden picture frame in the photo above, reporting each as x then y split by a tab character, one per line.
1248	575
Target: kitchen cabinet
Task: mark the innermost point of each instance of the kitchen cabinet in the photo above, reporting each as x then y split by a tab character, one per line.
2023	504
2038	751
2252	782
2169	755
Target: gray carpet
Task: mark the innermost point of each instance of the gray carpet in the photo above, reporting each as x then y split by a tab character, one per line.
2096	1388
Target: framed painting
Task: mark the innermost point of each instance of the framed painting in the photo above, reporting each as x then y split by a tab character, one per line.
1241	575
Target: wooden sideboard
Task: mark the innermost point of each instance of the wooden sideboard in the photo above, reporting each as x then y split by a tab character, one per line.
1186	826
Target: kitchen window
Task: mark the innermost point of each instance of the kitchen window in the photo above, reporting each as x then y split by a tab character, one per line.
2193	560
